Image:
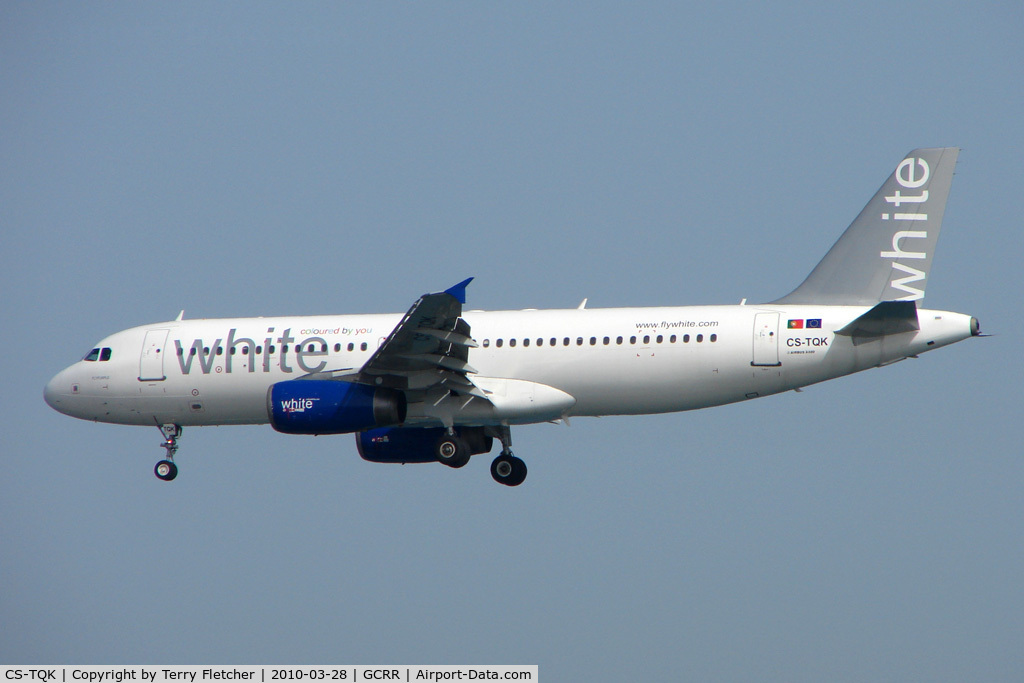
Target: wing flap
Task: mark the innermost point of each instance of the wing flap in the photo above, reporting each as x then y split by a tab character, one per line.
448	362
428	351
450	337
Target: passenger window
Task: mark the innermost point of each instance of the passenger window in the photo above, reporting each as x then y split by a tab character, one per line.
487	343
220	350
713	338
526	342
259	349
565	342
672	339
632	340
659	339
499	343
351	346
607	340
540	342
512	342
579	341
647	339
618	340
363	346
105	353
686	339
337	348
700	338
554	341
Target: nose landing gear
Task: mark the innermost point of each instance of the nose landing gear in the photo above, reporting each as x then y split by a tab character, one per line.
166	469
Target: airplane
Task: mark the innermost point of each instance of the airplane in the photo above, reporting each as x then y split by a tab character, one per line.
439	384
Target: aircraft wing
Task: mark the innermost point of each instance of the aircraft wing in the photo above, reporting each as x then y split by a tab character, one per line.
428	351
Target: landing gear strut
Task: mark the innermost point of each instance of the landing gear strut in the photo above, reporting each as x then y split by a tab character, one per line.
507	469
166	469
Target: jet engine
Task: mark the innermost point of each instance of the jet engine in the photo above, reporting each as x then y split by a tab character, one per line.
414	444
308	406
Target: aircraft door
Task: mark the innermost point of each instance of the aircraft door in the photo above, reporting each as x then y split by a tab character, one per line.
766	339
151	363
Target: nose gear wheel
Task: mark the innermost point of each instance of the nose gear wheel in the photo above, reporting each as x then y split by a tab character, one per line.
166	469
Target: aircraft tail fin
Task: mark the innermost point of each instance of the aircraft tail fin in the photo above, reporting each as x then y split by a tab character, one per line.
886	253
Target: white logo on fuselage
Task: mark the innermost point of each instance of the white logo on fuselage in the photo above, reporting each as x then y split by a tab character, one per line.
297	405
307	353
907	176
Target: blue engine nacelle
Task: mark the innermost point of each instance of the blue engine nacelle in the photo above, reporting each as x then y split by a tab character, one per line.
314	406
415	444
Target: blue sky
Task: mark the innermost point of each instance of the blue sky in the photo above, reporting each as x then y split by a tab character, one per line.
255	159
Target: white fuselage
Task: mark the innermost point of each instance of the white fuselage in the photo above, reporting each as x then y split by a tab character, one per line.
595	362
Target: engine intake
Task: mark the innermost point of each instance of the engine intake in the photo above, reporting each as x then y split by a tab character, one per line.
312	406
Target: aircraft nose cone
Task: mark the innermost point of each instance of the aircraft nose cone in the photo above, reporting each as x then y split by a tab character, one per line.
52	393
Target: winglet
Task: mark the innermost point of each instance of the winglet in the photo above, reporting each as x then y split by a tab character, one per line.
459	291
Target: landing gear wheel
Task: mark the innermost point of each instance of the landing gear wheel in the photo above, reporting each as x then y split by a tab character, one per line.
166	470
509	470
452	451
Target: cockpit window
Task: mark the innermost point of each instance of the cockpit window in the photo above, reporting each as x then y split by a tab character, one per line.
98	354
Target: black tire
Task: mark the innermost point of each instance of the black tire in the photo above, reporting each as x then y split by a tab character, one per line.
452	451
166	470
508	470
518	472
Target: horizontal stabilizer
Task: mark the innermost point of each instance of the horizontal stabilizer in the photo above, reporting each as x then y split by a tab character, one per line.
888	317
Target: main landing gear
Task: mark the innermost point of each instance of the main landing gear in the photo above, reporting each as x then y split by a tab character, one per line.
454	449
166	469
507	469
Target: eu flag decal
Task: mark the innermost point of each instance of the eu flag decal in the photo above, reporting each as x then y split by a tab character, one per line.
814	323
797	324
